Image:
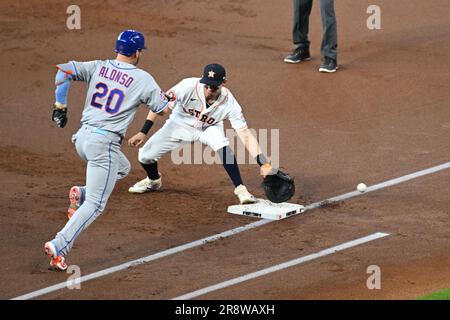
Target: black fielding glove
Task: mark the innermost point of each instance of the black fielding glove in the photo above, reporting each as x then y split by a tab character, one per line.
278	187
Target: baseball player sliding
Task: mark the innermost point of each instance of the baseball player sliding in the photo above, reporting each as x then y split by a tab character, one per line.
200	105
116	88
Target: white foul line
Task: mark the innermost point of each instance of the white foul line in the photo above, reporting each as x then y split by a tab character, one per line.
149	258
281	266
228	233
381	185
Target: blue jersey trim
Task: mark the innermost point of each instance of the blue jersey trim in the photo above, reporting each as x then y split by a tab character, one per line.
163	107
121	67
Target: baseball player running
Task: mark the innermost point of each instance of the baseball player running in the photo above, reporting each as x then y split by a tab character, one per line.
116	88
200	105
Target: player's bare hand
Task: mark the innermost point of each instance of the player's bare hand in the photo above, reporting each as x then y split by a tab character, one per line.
137	140
266	169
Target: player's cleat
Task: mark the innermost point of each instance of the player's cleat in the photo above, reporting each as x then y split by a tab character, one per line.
146	185
244	196
56	261
328	65
76	198
299	54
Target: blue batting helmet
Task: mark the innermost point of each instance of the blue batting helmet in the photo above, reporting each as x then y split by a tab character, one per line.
129	41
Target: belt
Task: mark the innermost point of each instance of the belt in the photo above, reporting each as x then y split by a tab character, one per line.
104	132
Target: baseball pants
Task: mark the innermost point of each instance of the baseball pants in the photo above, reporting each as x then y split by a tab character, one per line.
173	134
105	165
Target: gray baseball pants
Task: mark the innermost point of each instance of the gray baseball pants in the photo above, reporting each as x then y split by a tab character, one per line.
105	165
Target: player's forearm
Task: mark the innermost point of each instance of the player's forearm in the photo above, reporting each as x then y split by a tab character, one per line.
250	142
62	82
150	120
252	146
63	78
152	116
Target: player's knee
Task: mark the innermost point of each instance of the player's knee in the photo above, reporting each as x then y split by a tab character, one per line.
99	207
146	157
220	145
94	206
124	171
142	157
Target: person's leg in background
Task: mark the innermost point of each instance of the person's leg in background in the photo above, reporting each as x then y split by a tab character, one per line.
300	30
329	40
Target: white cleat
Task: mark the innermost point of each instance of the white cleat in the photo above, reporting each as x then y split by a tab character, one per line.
244	196
146	185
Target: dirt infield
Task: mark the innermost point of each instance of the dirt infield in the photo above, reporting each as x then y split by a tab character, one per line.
385	114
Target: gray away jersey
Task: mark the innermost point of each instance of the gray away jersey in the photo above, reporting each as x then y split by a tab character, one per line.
115	91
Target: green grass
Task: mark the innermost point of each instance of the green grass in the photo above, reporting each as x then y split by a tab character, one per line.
439	295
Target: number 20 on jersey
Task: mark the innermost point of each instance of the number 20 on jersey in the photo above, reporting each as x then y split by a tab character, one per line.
114	98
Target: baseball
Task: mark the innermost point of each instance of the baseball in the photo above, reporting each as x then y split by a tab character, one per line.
361	187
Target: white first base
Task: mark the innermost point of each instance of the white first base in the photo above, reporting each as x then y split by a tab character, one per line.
267	210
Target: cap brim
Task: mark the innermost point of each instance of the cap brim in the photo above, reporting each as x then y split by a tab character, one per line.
211	82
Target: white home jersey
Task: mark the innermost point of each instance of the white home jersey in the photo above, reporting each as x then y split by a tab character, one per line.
190	108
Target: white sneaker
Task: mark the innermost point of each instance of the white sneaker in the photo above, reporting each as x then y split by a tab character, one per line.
244	196
146	185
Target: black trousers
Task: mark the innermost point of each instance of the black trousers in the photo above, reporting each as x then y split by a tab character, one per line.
300	30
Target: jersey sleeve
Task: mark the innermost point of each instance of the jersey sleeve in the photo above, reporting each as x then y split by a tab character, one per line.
178	92
236	116
154	98
83	71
